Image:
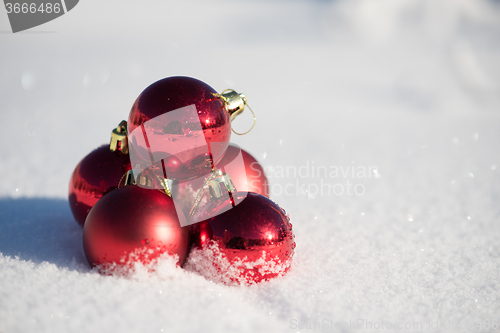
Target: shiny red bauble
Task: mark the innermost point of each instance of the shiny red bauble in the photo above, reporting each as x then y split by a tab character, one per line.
180	127
250	178
97	174
133	224
249	243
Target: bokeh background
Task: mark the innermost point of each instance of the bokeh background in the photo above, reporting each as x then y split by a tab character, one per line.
409	87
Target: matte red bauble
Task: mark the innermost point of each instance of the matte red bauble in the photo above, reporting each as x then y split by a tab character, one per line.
180	127
97	174
133	224
249	243
251	178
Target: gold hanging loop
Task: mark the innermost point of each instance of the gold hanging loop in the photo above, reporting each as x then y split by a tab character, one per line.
126	174
235	104
251	128
128	178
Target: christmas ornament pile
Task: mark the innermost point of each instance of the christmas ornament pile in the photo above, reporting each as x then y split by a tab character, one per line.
170	182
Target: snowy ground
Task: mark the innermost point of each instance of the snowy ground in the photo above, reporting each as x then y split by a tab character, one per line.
406	93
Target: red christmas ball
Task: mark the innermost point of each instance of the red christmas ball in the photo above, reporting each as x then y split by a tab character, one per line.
133	224
249	243
97	174
178	126
251	178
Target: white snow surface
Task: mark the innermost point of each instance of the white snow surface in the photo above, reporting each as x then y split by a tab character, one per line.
406	93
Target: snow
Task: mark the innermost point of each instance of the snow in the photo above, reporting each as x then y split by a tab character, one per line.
404	93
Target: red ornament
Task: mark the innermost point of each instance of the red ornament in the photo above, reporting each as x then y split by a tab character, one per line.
179	126
251	178
133	224
97	174
249	243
